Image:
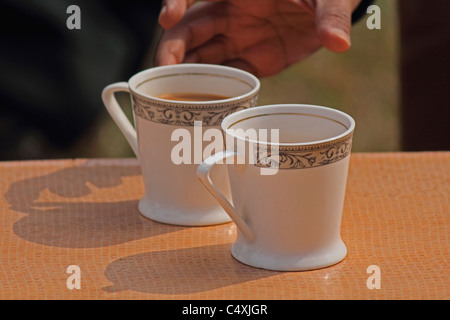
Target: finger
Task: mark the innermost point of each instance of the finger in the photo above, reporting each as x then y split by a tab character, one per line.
333	24
176	42
170	50
190	33
229	44
263	59
215	52
172	11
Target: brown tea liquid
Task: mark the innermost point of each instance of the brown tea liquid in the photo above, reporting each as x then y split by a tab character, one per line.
192	96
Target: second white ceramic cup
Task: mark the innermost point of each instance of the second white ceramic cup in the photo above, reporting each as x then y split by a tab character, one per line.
288	219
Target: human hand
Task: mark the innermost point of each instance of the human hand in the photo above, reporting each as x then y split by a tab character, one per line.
260	36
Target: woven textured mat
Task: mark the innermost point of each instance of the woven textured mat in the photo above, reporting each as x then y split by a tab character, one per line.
54	214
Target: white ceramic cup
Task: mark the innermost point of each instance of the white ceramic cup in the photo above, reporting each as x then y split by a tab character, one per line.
173	194
289	220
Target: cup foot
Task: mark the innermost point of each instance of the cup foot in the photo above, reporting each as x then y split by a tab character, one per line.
317	259
179	217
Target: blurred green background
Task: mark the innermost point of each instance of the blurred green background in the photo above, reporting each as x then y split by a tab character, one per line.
363	82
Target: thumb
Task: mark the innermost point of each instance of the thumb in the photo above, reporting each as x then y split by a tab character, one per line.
333	24
172	11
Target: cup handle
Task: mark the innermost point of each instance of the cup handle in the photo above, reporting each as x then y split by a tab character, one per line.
117	113
203	171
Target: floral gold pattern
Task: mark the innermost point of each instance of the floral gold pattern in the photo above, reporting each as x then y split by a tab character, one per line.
184	114
302	157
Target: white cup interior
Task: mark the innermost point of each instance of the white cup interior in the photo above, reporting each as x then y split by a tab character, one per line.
297	124
195	78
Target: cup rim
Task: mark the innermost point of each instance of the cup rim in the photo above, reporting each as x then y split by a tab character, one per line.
197	67
265	110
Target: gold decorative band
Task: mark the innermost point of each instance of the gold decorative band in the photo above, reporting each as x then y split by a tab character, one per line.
302	157
184	114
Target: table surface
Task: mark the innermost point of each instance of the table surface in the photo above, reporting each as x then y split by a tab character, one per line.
83	212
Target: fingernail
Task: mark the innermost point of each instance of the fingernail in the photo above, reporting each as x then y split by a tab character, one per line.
163	11
344	39
342	34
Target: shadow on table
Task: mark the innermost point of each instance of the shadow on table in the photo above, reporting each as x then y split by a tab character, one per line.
79	224
181	271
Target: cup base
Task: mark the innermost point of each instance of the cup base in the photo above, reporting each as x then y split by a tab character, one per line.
173	216
317	259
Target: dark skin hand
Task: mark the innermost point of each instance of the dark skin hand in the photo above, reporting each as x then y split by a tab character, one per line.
260	36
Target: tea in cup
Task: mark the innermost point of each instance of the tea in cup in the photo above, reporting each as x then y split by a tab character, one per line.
168	98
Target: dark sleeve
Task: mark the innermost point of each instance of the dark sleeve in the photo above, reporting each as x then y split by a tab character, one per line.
51	77
361	10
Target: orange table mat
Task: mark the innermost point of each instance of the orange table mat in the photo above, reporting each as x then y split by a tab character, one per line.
58	213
